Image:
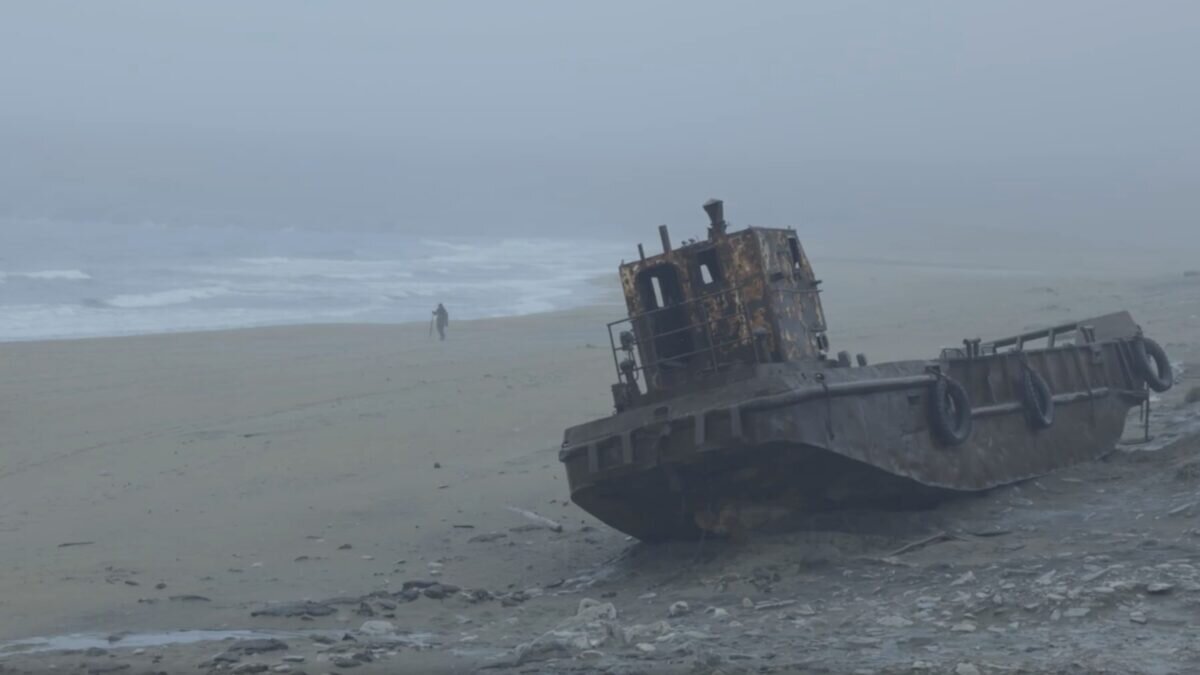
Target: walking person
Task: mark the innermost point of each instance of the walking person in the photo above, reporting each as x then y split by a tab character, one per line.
441	317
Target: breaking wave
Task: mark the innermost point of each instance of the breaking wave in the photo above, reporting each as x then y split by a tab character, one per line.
176	296
176	280
49	275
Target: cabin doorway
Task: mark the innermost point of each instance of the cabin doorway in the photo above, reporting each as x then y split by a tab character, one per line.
667	316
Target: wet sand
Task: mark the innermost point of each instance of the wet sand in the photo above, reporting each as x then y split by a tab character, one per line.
185	481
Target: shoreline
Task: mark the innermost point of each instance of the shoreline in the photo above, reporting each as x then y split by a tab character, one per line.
585	308
838	269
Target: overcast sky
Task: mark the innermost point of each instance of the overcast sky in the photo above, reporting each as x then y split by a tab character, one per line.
536	117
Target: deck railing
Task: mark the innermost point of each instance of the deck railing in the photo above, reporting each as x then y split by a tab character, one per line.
709	344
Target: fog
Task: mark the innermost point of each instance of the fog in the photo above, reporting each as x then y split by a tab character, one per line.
559	118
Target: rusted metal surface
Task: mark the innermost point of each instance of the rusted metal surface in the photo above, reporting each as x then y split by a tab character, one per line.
727	400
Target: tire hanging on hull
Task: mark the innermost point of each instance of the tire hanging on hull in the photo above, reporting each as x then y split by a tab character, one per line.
1037	399
1153	364
949	411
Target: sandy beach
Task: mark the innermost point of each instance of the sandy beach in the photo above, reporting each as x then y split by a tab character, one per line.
185	481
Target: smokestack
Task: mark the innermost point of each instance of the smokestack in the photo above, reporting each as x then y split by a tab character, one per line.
666	238
715	208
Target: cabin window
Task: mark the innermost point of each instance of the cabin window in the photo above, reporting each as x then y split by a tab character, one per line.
656	286
659	287
794	247
663	297
710	267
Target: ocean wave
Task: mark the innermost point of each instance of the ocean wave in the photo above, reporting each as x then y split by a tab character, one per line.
336	269
47	322
49	275
269	260
176	296
181	281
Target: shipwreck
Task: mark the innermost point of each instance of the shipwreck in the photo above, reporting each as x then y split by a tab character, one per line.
728	398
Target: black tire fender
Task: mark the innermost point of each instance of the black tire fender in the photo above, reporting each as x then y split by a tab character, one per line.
1037	399
949	411
1153	364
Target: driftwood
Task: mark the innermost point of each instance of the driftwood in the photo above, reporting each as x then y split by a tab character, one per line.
537	518
933	539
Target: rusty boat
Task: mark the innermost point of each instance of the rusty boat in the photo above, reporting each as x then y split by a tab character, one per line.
729	402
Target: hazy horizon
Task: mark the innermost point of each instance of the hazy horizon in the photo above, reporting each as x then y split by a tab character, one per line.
544	118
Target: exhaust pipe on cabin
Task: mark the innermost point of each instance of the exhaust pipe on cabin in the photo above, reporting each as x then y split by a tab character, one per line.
715	208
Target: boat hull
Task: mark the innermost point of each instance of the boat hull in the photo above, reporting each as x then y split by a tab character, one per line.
783	438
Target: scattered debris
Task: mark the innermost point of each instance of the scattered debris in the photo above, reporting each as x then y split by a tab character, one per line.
378	628
893	621
256	646
537	518
933	539
966	578
296	609
773	604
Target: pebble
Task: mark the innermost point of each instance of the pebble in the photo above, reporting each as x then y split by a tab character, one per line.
440	591
1137	617
718	613
646	648
591	654
257	646
378	628
966	669
1046	579
964	579
1159	588
894	622
105	668
963	627
863	640
747	603
1076	612
293	609
250	668
678	609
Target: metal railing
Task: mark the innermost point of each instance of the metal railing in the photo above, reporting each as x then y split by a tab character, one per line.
643	324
